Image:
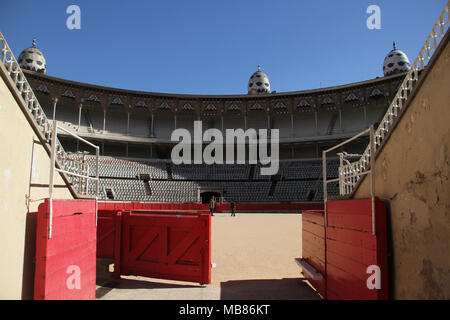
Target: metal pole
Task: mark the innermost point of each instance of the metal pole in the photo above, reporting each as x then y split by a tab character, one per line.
348	140
372	178
341	181
77	137
97	184
51	180
325	195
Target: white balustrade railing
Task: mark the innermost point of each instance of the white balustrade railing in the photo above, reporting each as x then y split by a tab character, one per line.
67	161
350	174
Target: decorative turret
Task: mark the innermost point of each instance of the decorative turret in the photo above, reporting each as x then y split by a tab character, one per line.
32	59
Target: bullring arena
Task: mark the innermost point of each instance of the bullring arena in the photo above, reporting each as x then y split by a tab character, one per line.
358	207
249	265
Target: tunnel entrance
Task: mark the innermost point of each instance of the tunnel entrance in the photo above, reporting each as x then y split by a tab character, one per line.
206	196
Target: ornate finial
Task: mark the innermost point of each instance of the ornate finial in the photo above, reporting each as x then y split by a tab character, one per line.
34	43
395	47
259	67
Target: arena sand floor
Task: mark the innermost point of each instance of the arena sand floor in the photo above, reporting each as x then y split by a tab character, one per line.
254	260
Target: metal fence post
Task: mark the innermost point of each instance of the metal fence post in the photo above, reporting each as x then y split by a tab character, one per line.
52	175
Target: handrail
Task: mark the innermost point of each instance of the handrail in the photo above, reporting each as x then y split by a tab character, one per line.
64	160
350	172
79	167
346	179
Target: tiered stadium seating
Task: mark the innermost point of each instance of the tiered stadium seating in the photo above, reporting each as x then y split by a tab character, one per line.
122	189
173	191
300	170
299	181
210	172
292	190
245	191
119	168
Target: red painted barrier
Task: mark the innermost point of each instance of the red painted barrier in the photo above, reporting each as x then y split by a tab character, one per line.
346	248
166	246
220	207
352	248
274	207
109	225
123	206
157	244
313	246
66	263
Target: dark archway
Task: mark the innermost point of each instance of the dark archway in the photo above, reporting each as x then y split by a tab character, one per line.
207	195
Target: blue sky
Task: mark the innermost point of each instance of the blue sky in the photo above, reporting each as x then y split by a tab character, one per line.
213	47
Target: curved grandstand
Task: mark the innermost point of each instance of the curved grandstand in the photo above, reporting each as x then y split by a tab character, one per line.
393	179
133	130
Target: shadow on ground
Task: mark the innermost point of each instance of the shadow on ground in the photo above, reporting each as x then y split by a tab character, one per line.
268	289
104	287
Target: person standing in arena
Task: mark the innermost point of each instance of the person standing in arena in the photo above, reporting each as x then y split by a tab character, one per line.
233	207
212	205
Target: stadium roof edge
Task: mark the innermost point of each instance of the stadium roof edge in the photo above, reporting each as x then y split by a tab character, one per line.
161	95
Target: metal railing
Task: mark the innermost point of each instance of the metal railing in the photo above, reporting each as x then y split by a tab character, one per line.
75	165
66	161
348	180
349	173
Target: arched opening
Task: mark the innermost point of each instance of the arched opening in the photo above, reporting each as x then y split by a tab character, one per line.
206	196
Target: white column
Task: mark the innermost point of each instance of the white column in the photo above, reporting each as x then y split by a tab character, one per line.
317	123
55	102
152	129
292	124
80	108
128	120
104	120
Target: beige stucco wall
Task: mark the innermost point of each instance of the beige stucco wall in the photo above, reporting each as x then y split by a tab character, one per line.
21	159
412	173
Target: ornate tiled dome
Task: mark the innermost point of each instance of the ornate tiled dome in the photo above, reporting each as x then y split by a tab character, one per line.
32	59
259	83
396	62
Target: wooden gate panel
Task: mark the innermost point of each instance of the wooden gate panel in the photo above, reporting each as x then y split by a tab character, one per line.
166	246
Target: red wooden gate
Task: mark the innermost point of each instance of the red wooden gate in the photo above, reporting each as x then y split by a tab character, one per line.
157	244
342	252
65	264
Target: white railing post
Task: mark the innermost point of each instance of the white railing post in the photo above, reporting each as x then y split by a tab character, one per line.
74	167
325	191
372	178
52	176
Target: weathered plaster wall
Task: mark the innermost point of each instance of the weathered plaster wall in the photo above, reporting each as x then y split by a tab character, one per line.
412	173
